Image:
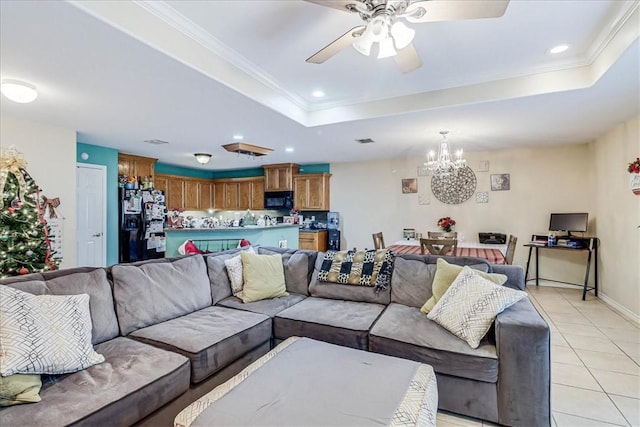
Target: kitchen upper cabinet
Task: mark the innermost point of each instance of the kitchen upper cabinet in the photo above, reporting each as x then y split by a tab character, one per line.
257	194
175	193
279	177
132	165
311	191
206	194
238	193
191	195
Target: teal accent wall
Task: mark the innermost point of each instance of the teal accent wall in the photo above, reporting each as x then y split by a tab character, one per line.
182	171
315	168
107	157
238	173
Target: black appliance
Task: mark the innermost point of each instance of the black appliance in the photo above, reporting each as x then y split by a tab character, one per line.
333	236
492	238
278	200
141	224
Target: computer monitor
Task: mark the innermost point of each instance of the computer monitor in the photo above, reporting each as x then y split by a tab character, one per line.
568	222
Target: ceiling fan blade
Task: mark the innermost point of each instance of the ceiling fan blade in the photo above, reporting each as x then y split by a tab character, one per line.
337	45
453	10
342	5
408	59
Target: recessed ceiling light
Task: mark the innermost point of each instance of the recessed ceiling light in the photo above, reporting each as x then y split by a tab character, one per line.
237	137
317	94
559	48
289	149
18	91
156	141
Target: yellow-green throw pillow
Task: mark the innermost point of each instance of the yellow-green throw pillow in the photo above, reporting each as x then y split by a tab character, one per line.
445	275
263	277
19	388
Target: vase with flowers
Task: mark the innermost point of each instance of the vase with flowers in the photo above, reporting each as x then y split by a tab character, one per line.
634	170
446	223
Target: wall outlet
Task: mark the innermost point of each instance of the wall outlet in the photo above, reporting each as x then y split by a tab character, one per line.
282	243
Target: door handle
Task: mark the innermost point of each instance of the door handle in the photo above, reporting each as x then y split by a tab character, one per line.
97	235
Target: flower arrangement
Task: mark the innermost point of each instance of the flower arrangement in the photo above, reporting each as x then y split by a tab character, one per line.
446	223
294	211
634	167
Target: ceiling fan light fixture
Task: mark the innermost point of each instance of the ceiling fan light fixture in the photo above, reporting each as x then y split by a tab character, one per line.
378	28
402	35
202	158
363	44
386	48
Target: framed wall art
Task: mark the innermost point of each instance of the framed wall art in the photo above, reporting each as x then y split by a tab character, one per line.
409	185
500	182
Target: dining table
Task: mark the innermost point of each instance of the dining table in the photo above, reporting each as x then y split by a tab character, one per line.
491	252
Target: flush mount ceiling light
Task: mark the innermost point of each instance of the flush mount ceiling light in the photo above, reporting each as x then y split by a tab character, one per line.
18	91
559	48
381	24
445	163
247	149
317	94
203	158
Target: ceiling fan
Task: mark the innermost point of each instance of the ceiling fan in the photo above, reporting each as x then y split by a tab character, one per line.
383	25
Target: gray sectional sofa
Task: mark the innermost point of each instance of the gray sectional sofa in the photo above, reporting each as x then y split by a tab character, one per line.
170	331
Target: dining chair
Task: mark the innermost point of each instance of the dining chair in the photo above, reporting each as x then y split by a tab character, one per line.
378	241
511	249
439	246
442	234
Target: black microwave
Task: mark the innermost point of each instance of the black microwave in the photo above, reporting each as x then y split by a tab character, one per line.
278	200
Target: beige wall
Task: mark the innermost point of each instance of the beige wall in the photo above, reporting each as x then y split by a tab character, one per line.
543	180
50	153
618	211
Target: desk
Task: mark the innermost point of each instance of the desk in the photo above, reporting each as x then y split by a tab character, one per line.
589	245
492	253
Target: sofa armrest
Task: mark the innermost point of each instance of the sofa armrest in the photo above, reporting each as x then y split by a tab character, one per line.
514	273
524	376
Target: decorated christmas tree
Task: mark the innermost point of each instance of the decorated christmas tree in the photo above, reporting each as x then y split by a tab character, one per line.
24	243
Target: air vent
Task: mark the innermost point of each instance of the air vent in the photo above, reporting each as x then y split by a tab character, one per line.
156	141
365	141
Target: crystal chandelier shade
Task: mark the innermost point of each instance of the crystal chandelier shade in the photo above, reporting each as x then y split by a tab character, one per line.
445	163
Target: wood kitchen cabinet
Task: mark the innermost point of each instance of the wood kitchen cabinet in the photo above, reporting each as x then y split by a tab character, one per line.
174	196
239	193
132	165
206	195
279	177
311	191
191	194
313	240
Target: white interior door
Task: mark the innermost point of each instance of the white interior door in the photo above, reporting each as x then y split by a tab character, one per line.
92	226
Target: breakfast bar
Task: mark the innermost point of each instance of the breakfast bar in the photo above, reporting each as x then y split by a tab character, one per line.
223	238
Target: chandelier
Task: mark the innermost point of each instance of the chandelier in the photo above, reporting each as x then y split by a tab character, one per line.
444	164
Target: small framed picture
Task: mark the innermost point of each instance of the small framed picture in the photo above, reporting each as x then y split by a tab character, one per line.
500	182
288	220
409	185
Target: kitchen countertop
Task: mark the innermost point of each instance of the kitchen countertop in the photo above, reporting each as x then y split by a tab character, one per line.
246	227
312	230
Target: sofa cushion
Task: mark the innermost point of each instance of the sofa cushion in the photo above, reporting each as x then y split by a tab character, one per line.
45	334
445	275
360	268
339	322
80	281
405	332
19	388
135	380
269	307
217	271
263	277
235	273
337	291
471	304
298	267
154	292
211	338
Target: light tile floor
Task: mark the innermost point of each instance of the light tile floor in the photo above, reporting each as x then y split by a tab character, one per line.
595	362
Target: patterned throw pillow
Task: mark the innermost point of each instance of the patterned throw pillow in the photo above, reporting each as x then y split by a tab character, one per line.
45	334
471	304
234	271
363	268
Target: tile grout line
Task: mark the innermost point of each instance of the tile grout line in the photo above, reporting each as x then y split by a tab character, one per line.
593	419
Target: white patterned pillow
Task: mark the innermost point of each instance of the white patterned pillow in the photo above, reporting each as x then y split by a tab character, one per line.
45	334
234	271
471	304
